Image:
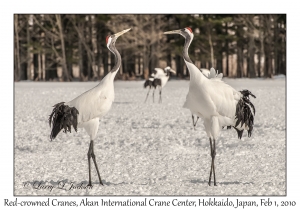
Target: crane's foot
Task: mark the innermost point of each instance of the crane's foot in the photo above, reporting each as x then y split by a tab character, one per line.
215	184
90	185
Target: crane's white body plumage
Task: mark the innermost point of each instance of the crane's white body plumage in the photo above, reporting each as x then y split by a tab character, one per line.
217	103
212	100
94	104
209	74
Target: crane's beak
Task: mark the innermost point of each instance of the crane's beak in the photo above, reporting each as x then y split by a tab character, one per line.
173	32
121	32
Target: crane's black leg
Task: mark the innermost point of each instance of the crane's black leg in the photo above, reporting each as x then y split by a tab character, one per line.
160	100
211	167
147	95
214	155
94	159
89	154
195	123
153	95
92	155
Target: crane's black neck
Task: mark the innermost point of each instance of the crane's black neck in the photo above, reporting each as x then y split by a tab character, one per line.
185	52
114	50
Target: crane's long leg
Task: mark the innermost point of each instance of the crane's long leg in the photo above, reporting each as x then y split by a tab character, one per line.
92	155
147	95
195	123
153	95
160	100
89	154
213	155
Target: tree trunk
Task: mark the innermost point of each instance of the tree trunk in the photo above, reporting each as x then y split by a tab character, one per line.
30	67
179	70
39	78
268	53
251	48
227	51
93	45
63	61
259	64
17	50
219	63
43	55
212	59
146	63
240	63
275	44
262	44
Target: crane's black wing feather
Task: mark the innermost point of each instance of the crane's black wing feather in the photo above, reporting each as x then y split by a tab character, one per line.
62	117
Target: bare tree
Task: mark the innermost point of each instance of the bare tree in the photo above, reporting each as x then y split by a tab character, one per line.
62	40
267	46
145	38
17	49
250	22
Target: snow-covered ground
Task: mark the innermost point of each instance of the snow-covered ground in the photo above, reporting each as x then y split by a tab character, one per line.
148	148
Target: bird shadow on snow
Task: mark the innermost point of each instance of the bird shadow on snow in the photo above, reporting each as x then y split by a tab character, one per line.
122	102
196	181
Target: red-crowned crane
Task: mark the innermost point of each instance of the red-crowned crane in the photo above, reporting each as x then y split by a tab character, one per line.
217	103
161	78
151	83
85	110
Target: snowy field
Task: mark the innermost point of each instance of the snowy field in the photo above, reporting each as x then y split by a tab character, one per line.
148	148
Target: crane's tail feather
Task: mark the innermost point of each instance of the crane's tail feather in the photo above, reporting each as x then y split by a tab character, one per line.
62	117
147	83
244	114
239	132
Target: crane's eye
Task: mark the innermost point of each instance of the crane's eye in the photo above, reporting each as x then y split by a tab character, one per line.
107	39
188	28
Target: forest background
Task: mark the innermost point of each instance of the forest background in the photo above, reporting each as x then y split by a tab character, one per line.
69	47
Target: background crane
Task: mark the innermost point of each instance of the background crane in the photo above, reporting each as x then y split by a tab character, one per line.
151	83
217	103
161	78
85	110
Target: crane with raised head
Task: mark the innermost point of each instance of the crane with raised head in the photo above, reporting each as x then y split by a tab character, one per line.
217	103
85	110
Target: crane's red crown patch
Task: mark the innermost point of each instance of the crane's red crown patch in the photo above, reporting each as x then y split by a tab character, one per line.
107	39
189	29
